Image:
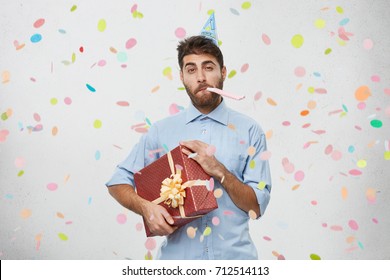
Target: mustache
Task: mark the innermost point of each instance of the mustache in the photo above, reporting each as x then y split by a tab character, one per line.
202	87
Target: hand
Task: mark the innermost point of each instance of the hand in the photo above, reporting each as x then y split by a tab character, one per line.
158	219
208	162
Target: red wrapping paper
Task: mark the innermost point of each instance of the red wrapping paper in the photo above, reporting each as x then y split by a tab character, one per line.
198	201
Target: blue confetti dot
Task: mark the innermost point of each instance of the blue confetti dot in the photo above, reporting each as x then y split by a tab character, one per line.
351	149
36	38
97	155
91	88
344	21
317	74
62	31
234	11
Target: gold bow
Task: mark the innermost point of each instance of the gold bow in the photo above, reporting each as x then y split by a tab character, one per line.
172	190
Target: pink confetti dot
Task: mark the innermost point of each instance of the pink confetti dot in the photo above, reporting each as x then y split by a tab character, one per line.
244	68
313	202
368	44
173	109
123	103
139	226
375	78
150	243
374	220
20	162
324	225
267	238
211	184
39	22
52	186
355	172
134	8
328	149
215	221
68	100
336	155
266	39
131	43
180	32
258	95
3	135
102	63
299	176
286	123
300	71
266	155
387	91
37	117
121	219
336	228
361	105
353	225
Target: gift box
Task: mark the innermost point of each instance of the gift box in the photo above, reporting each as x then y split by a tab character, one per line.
177	183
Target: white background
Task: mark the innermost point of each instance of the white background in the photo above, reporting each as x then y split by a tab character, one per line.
331	214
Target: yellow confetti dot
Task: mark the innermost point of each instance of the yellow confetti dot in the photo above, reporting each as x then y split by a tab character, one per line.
261	185
207	231
311	89
320	23
53	101
102	25
361	163
297	41
97	124
252	164
339	10
246	5
386	156
63	236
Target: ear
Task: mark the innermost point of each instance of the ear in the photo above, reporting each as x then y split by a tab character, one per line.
181	75
224	71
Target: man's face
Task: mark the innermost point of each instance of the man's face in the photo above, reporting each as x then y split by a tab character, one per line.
200	72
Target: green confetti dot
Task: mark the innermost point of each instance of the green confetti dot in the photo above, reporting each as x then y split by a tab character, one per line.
315	257
246	5
20	173
74	7
297	41
207	231
97	124
73	57
137	14
53	101
4	116
345	108
102	25
339	10
232	74
181	88
252	164
261	185
311	89
63	236
121	56
328	51
376	123
386	155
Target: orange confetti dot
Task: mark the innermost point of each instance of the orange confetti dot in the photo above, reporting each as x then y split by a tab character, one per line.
305	113
298	87
113	50
344	193
38	237
231	126
295	187
350	239
311	105
269	134
362	93
25	213
60	215
271	102
54	131
155	89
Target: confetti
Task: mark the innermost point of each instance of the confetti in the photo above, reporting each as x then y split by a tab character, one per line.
97	124
180	32
258	95
371	195
300	71
25	213
102	25
355	172
121	219
191	232
52	186
39	22
246	5
368	44
63	236
344	193
36	38
353	224
215	221
232	73
73	8
320	23
90	88
261	185
218	193
131	43
123	103
244	68
167	72
299	176
252	214
376	123
5	77
315	257
266	39
207	231
271	102
150	243
297	41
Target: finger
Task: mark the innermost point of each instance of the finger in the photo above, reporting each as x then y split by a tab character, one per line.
166	216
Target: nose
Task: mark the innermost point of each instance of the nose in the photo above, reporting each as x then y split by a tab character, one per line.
201	77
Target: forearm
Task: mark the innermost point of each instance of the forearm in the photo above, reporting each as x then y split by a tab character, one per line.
242	195
128	198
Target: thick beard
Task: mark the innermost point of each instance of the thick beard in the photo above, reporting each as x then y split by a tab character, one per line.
205	102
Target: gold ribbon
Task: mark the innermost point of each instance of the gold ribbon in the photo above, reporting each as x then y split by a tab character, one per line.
172	190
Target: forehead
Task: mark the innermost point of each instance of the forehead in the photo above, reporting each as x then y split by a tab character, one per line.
198	59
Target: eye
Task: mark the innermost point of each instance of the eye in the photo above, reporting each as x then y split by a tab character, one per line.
209	68
190	70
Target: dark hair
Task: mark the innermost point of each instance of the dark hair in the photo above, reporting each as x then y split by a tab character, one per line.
198	45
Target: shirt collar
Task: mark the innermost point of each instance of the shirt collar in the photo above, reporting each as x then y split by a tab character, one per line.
219	114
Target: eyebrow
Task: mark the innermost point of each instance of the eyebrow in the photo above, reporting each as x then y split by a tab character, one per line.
203	63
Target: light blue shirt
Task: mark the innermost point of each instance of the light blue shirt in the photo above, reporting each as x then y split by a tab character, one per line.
232	134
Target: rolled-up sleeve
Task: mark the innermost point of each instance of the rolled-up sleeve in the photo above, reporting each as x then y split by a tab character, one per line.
257	171
136	160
